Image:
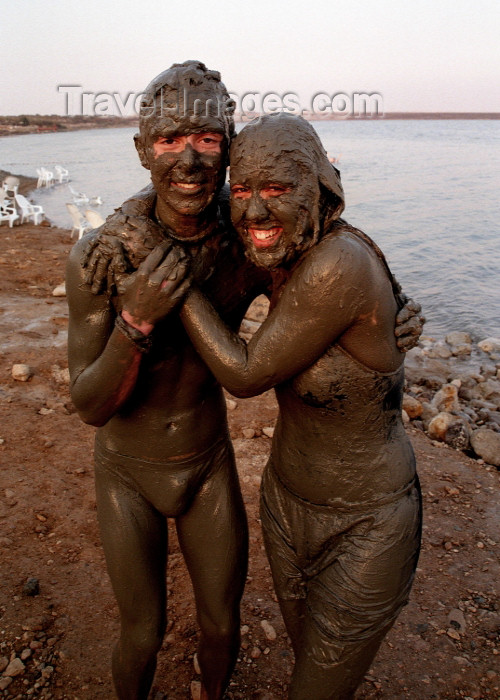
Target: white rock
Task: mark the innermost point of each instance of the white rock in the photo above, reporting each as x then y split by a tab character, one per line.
196	665
453	430
21	373
440	350
268	431
412	406
249	433
60	375
405	417
60	290
458	338
489	345
428	413
486	444
231	404
269	630
446	399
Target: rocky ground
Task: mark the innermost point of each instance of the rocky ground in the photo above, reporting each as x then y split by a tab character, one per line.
58	618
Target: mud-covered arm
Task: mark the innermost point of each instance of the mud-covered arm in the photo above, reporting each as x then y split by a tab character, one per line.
321	300
105	352
103	362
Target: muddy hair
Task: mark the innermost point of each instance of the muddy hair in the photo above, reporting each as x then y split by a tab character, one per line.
163	92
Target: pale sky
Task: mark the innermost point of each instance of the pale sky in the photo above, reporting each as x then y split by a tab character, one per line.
419	55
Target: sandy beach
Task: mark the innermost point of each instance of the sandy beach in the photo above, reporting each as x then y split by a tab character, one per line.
58	615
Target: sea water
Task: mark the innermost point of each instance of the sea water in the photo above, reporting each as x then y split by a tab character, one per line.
427	191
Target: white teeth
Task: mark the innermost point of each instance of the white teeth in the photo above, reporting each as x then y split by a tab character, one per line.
264	235
187	185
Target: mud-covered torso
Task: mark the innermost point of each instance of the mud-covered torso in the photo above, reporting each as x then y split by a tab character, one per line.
177	406
340	437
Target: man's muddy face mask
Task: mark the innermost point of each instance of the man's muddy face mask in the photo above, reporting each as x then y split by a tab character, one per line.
187	158
280	175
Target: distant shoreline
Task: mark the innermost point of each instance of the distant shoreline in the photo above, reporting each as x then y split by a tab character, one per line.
37	124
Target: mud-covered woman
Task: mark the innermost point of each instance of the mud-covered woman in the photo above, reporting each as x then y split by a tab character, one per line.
340	501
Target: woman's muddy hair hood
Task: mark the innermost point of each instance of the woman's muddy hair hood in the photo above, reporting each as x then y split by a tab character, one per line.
288	135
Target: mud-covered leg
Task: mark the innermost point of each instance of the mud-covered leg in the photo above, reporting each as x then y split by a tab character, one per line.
214	540
134	536
331	681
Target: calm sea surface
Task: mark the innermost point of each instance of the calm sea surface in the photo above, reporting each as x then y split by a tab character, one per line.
426	191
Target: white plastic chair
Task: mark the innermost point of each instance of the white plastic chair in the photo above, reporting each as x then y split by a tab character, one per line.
45	177
48	177
78	197
80	223
61	173
28	210
8	213
11	185
94	218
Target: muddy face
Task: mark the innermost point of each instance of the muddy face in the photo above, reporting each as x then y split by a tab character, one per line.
270	206
187	159
283	188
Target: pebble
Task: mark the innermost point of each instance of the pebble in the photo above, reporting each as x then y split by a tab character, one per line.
231	404
248	433
15	668
489	345
196	665
456	619
486	444
31	587
412	406
60	290
269	630
459	396
268	431
446	399
21	373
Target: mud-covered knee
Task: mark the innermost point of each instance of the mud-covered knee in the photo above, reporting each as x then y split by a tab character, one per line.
146	640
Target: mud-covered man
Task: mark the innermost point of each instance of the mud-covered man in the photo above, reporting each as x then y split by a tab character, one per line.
162	446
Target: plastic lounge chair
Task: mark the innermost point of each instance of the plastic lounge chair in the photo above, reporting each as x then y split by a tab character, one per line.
48	177
28	210
78	197
94	218
8	213
11	185
62	174
45	177
80	223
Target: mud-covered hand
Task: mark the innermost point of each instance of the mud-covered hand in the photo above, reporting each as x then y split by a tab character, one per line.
409	325
105	261
149	294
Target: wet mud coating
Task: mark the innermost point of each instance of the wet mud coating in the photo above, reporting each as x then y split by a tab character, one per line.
340	507
162	445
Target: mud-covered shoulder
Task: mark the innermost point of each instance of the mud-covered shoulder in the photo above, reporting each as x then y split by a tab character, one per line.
339	255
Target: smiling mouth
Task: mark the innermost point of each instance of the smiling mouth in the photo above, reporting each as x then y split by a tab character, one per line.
264	238
188	187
